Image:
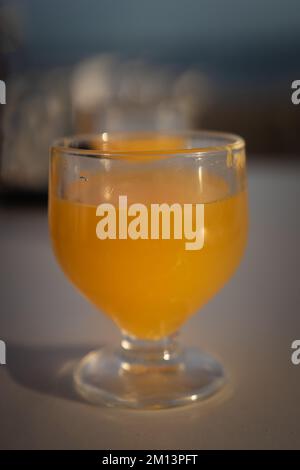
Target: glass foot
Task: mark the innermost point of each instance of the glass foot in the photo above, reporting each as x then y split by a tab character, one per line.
147	375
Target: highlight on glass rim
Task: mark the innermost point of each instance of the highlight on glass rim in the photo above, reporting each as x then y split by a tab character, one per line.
149	189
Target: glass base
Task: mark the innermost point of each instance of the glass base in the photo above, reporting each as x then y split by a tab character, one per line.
147	375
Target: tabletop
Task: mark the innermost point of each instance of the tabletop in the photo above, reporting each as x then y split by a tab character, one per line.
250	326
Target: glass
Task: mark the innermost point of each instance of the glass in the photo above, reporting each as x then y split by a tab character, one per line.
149	282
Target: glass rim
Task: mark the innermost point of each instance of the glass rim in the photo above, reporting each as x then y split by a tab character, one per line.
232	142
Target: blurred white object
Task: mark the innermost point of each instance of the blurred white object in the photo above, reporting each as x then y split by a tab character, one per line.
115	95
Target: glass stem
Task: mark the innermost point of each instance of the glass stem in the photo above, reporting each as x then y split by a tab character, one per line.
158	353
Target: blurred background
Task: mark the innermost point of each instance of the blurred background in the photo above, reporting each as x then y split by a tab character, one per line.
74	66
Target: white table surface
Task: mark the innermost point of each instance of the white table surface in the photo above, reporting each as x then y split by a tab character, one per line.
249	325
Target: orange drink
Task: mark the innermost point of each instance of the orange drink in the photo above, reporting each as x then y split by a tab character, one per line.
149	287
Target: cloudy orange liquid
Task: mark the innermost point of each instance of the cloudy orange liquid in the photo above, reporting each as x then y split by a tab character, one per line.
149	287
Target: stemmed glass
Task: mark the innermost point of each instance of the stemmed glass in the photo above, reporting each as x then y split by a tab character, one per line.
148	278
